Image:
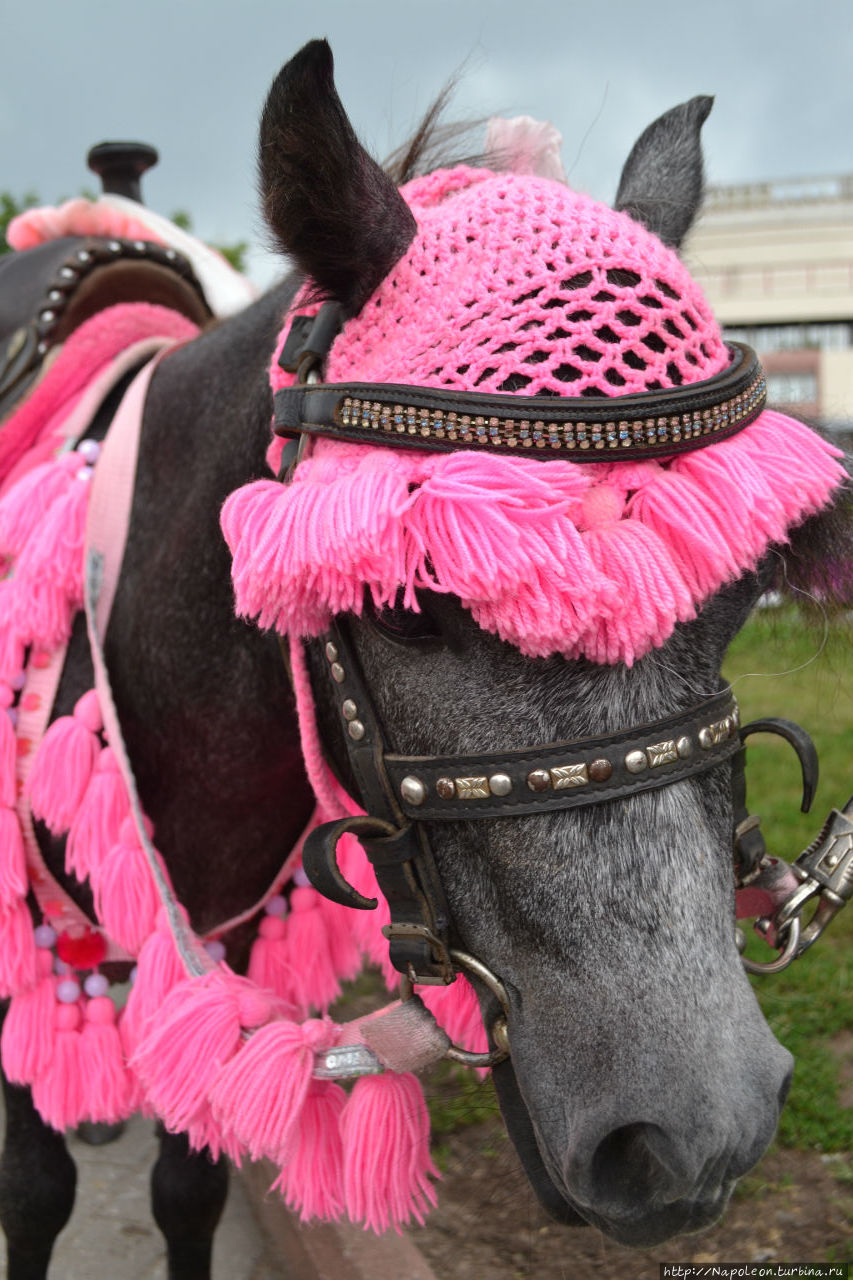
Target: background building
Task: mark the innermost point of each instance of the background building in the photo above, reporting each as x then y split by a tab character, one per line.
776	261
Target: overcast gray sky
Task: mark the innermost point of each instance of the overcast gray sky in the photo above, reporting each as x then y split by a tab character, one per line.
190	76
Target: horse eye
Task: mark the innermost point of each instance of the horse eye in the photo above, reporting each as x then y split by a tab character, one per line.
402	625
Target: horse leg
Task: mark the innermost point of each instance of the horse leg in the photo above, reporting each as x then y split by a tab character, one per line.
38	1179
188	1193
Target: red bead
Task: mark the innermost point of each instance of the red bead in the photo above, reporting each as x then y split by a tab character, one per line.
31	701
83	948
40	660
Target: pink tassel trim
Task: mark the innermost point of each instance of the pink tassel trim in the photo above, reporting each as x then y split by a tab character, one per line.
555	557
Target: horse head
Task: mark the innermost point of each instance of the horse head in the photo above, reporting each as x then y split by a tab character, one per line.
527	594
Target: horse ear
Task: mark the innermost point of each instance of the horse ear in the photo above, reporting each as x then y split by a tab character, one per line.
331	207
661	184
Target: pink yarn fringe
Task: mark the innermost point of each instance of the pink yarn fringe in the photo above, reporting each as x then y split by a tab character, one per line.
556	557
27	1040
126	897
18	968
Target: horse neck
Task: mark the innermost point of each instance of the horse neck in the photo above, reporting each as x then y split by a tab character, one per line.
203	698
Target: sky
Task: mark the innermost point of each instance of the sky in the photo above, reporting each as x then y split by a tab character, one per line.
190	76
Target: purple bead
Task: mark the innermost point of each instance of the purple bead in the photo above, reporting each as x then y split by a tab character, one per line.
300	879
216	950
68	991
96	985
12	713
18	681
60	967
277	906
134	973
89	450
85	473
45	935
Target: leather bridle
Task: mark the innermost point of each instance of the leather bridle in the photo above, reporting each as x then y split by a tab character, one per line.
402	793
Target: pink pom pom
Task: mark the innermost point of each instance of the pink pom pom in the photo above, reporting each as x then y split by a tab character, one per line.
387	1166
259	1094
312	1181
18	965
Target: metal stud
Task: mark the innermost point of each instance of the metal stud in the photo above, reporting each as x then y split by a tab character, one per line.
706	739
412	790
539	780
569	775
475	787
338	673
500	784
660	753
332	652
600	770
635	761
349	709
684	747
355	729
446	788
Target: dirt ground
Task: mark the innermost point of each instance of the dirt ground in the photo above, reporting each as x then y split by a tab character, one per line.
796	1207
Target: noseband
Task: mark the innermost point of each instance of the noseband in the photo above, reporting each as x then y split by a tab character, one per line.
400	793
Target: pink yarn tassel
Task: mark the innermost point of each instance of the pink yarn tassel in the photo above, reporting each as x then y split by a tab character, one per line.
59	1090
26	1044
28	502
343	948
13	859
18	966
259	1095
8	754
312	1182
107	1083
387	1166
198	1031
97	823
159	969
64	763
47	587
125	893
269	962
314	983
457	1009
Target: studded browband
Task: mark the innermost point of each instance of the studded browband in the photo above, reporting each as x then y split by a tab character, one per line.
585	428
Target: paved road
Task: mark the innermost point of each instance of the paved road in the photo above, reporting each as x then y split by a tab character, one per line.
112	1236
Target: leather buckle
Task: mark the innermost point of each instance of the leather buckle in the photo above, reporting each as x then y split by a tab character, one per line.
410	932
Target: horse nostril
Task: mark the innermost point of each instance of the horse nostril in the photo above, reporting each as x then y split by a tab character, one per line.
626	1168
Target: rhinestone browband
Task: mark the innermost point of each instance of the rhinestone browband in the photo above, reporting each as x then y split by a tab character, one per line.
659	423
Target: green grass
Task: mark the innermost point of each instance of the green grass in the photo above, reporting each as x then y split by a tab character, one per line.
812	1001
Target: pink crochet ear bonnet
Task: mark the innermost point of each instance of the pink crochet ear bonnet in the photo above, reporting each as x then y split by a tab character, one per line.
516	284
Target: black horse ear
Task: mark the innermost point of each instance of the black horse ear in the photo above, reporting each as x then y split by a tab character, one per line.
331	207
661	184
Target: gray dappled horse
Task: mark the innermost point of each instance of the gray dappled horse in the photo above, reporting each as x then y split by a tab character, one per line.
643	1079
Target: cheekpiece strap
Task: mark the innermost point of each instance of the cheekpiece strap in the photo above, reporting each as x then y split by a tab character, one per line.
582	428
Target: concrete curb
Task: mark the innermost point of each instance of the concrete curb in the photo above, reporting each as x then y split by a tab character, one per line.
330	1251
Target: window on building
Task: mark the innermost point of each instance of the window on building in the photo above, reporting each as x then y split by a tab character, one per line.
792	388
794	337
